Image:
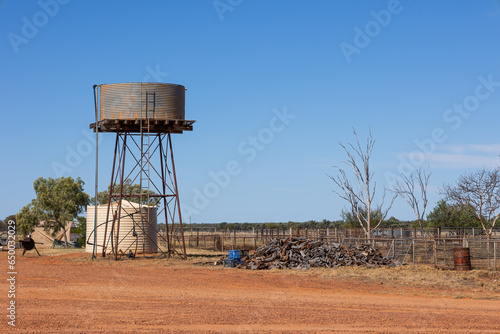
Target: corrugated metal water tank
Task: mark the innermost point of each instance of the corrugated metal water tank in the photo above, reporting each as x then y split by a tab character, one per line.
130	218
134	99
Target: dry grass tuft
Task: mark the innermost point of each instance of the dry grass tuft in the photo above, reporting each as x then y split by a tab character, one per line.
467	284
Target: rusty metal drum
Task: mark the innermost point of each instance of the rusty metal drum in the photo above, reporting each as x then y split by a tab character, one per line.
461	259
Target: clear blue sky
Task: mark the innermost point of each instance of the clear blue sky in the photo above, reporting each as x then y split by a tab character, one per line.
424	76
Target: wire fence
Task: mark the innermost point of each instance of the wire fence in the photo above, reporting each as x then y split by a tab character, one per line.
435	247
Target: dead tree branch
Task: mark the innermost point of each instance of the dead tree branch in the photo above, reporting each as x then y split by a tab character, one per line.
413	189
361	194
479	191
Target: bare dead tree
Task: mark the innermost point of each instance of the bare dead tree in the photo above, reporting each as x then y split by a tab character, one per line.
479	191
413	189
361	194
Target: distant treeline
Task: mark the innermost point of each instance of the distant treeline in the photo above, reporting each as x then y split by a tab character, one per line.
391	222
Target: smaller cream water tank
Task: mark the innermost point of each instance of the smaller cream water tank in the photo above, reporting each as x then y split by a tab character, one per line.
146	234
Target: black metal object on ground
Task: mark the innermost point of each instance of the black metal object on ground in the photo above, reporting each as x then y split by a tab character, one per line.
28	244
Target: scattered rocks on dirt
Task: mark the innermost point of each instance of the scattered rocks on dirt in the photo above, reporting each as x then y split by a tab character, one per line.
302	253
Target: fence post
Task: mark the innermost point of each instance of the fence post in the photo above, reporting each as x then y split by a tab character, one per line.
495	256
413	250
254	241
434	251
489	253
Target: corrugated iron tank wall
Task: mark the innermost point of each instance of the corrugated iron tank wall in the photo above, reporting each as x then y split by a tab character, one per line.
136	100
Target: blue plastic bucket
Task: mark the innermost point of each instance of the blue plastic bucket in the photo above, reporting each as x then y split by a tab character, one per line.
234	255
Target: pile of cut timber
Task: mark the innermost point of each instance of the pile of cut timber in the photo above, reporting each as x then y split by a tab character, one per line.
302	253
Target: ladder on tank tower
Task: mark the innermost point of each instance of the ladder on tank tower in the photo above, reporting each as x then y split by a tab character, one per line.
144	177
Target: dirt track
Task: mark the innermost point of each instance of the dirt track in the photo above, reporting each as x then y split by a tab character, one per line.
70	294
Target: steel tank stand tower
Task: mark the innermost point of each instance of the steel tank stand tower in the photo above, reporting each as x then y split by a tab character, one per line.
143	184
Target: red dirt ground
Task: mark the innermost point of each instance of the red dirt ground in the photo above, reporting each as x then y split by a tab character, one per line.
71	294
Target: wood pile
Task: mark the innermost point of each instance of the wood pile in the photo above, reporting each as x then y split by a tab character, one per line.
302	253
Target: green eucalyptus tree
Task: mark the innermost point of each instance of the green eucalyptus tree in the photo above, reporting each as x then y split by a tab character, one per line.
57	202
